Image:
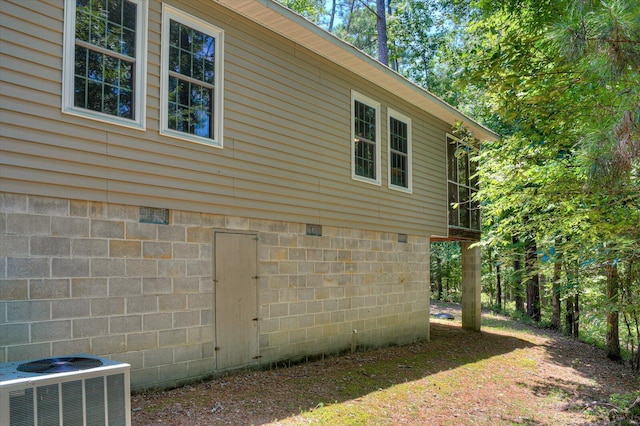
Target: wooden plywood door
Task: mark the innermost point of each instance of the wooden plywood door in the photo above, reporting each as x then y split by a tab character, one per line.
236	300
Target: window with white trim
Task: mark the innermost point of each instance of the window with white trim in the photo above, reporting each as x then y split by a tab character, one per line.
464	209
365	149
399	135
191	87
105	60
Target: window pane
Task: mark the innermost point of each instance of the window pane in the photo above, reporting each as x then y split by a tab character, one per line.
110	24
125	75
94	69
110	83
94	96
475	212
200	107
453	163
208	64
104	83
399	135
81	58
190	108
464	206
129	16
190	105
399	141
473	170
128	42
365	158
110	100
464	185
111	67
114	12
463	163
83	21
80	92
365	121
125	103
453	198
191	52
92	14
174	59
399	170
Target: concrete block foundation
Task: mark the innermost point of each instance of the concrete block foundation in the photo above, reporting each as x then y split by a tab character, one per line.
85	276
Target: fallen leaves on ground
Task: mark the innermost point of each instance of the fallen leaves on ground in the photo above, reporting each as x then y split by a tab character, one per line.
507	374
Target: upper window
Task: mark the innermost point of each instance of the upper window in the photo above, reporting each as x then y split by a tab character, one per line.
463	185
399	151
365	119
104	60
191	88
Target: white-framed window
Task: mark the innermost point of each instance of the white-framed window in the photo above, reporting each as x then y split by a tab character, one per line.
104	60
462	183
365	139
399	137
191	78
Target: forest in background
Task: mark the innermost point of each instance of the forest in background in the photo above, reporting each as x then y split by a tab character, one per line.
559	80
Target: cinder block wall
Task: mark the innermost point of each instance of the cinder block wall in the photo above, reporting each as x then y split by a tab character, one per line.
80	276
346	287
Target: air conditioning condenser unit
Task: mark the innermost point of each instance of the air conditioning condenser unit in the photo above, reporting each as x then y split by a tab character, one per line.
73	390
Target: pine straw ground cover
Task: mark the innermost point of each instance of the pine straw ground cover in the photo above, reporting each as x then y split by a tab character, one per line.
507	374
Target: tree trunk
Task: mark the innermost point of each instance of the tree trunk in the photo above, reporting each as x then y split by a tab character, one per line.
333	15
517	272
489	288
498	287
630	297
568	318
381	15
533	282
576	315
348	25
439	277
613	320
556	300
393	63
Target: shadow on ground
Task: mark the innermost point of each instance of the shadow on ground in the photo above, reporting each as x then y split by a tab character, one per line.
596	377
561	369
264	396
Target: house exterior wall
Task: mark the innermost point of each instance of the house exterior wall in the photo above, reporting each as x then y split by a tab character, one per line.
80	273
287	150
88	277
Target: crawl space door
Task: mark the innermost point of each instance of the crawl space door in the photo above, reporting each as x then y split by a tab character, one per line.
236	300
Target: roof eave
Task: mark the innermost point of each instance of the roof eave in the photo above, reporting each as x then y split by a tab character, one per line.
294	27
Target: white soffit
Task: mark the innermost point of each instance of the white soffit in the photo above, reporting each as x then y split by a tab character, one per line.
283	21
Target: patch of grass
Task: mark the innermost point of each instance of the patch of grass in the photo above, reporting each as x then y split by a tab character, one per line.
500	322
624	401
557	394
520	361
621	409
348	414
593	324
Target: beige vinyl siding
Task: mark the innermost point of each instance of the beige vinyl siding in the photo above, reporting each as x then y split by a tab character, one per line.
286	152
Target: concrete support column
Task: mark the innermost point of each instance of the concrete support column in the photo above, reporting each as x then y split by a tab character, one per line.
471	287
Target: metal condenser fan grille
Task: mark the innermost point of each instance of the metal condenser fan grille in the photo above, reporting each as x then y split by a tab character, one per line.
59	365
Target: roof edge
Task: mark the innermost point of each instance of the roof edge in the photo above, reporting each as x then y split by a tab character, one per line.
303	32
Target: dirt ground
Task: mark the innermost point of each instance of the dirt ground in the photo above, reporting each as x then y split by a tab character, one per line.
507	374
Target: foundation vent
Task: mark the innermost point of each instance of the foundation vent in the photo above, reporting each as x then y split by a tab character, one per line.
154	215
315	230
